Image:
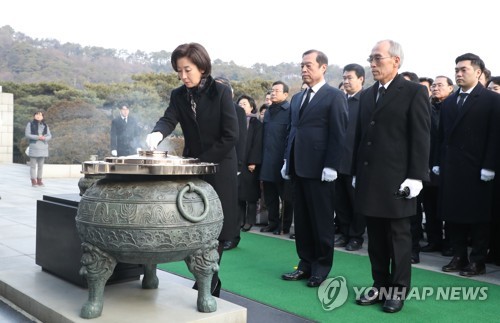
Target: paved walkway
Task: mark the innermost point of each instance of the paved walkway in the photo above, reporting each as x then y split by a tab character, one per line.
18	222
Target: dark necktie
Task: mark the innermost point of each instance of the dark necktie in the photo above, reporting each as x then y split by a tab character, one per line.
306	102
381	92
461	101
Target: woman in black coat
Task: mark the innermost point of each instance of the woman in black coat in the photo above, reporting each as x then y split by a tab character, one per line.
205	111
248	180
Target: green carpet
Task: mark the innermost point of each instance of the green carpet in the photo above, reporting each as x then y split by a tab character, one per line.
253	270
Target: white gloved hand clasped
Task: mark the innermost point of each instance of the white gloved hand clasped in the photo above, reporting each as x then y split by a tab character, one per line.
114	153
435	170
283	171
487	175
329	174
353	182
414	185
153	139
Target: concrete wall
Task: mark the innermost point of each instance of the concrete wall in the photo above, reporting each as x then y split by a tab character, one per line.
6	127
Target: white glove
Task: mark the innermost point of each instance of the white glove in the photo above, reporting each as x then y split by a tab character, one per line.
114	153
353	182
283	171
329	174
487	175
138	150
414	185
435	170
153	139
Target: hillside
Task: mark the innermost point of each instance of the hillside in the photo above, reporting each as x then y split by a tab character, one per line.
27	60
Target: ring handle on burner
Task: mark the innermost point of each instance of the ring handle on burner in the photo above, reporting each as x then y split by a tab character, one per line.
192	188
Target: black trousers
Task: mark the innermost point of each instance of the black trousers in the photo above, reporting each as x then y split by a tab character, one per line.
416	226
389	249
351	225
314	224
434	227
479	234
273	193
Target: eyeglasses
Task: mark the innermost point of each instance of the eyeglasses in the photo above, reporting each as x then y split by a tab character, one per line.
275	91
437	85
377	59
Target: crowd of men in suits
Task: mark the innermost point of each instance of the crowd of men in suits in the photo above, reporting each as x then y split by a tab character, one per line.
379	157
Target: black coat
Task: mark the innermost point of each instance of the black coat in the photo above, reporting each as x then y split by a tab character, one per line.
211	136
469	141
346	160
124	136
242	137
275	130
248	182
392	144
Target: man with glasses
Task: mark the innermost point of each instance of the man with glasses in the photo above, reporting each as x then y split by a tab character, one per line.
276	122
390	162
434	227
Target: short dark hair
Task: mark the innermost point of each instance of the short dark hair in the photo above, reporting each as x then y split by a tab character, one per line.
263	107
321	58
285	86
448	80
196	53
357	69
223	80
412	76
473	58
495	80
426	79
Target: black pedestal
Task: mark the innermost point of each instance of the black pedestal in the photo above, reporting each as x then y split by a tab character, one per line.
58	248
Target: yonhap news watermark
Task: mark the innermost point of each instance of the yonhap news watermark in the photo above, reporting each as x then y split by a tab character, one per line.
334	292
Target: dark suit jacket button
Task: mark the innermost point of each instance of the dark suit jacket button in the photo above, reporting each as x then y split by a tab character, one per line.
365	163
369	143
372	123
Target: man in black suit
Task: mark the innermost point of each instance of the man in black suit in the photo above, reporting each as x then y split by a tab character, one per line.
351	225
124	134
312	156
469	140
391	156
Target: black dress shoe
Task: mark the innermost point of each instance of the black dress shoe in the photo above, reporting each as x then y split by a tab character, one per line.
315	281
292	236
277	232
415	258
353	245
431	247
229	244
247	227
473	269
456	264
268	228
370	298
393	305
296	275
340	241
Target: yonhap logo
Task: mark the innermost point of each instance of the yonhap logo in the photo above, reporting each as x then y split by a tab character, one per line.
333	293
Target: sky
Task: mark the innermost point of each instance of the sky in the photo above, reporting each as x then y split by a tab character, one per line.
432	33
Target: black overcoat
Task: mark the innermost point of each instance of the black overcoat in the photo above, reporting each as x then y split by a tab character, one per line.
393	143
211	136
248	182
469	141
